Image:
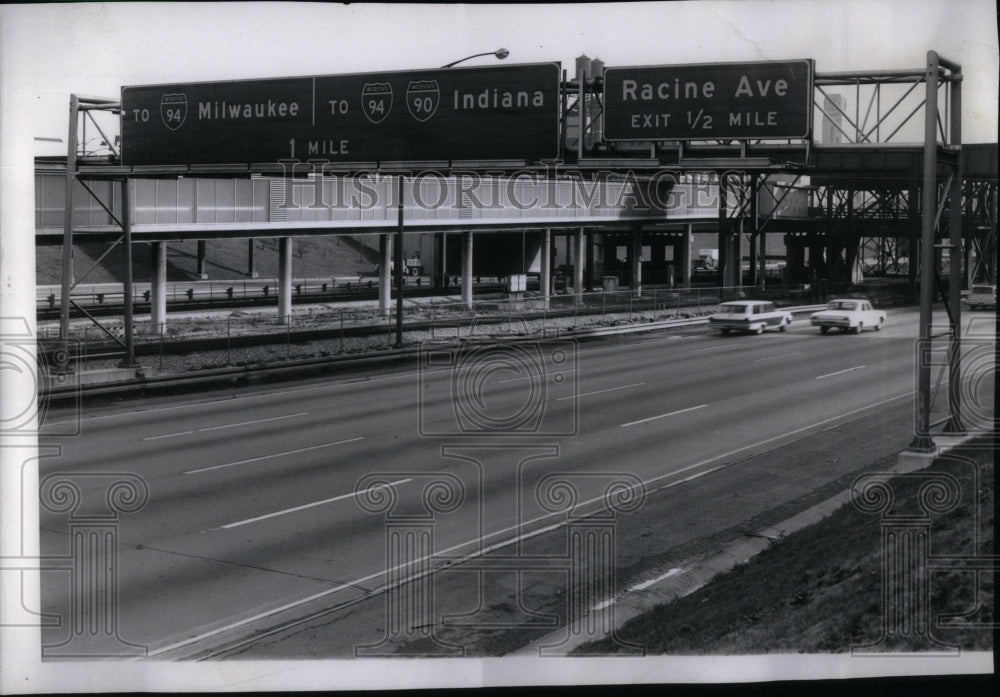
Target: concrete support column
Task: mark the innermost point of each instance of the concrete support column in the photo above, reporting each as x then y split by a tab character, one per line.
384	277
251	271
441	244
202	274
687	251
589	277
723	244
729	256
158	288
284	278
636	258
545	274
579	261
762	257
723	234
467	268
794	259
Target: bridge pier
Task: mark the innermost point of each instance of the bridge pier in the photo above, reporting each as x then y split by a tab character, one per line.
467	268
441	247
579	261
284	278
635	257
687	252
545	273
158	288
384	277
589	276
794	259
202	274
251	271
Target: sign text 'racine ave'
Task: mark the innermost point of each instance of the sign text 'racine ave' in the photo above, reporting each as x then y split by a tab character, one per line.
771	99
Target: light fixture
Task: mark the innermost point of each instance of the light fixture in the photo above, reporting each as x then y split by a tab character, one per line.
500	53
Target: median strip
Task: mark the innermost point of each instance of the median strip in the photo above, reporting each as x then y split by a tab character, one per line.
663	416
273	455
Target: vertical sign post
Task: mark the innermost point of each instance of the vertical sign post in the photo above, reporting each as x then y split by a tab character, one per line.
955	254
922	441
129	360
67	250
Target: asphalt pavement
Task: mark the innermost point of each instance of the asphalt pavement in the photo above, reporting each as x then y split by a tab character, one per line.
267	505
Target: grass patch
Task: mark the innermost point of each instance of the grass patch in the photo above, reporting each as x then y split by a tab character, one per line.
819	590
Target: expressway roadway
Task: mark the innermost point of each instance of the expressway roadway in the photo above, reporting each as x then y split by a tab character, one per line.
254	514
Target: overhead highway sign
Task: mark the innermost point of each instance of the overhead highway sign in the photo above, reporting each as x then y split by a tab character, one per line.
482	113
762	100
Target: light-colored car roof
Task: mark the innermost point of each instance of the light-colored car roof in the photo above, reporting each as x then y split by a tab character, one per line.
744	302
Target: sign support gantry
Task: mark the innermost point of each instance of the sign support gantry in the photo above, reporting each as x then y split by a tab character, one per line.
80	104
945	159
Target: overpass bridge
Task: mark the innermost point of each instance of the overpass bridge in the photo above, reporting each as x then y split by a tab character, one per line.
857	211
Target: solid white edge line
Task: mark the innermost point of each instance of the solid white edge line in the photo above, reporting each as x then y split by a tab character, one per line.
663	416
225	426
268	457
309	505
505	543
653	581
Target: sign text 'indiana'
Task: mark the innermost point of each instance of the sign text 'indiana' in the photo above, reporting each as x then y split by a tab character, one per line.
487	113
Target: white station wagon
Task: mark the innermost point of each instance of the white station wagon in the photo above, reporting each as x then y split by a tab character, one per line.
749	316
848	314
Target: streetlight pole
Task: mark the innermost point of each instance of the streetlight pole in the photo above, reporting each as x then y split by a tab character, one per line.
500	53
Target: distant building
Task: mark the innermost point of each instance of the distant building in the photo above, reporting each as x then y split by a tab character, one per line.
833	119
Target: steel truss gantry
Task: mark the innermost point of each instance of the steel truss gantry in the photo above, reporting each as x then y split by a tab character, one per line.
980	215
85	106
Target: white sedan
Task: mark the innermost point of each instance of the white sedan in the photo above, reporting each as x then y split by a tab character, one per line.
848	314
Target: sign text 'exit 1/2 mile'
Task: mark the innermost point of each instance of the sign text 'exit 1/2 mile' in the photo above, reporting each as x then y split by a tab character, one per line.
771	99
